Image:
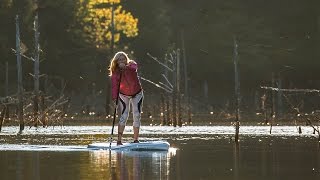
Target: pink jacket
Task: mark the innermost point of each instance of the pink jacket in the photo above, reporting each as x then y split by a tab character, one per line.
130	84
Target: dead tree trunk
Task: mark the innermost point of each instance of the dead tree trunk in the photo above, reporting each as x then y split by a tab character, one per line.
178	90
186	87
237	90
273	109
7	89
42	108
19	67
279	102
108	83
174	96
169	87
2	116
169	120
174	109
162	113
169	95
263	107
7	80
36	72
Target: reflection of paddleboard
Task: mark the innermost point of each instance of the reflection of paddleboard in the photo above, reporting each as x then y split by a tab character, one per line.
141	146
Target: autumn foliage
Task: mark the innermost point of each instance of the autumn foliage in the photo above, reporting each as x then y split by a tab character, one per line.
95	16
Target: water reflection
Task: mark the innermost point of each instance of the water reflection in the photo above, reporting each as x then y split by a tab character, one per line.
255	157
132	164
36	166
236	159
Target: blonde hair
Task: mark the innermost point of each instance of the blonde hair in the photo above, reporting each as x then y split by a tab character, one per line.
113	64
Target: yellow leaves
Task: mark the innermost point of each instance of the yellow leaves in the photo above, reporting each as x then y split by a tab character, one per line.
95	2
107	1
96	18
127	24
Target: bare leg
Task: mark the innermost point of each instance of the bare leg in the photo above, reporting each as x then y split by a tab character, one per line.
124	113
136	110
120	132
135	133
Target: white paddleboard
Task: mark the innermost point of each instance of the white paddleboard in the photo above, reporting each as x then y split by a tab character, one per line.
141	146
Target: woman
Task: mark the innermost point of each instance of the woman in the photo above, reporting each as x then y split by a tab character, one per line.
130	92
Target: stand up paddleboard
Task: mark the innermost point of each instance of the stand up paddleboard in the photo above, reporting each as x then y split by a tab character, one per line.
141	146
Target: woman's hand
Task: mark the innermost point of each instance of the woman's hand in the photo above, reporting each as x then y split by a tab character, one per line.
114	103
122	66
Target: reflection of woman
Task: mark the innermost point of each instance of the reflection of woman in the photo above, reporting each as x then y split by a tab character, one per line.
130	92
122	166
136	167
129	165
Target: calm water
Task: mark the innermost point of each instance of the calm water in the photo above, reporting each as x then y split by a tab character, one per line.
196	153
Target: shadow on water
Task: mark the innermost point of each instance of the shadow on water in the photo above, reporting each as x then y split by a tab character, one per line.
276	158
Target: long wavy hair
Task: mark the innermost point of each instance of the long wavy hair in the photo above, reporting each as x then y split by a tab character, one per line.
113	64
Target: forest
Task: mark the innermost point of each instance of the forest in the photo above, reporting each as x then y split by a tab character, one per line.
277	42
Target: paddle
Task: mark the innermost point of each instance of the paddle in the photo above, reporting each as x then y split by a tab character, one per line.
115	110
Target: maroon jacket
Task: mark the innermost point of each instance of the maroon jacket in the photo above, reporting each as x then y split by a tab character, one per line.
130	83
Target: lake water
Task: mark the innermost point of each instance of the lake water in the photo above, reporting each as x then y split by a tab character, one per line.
197	152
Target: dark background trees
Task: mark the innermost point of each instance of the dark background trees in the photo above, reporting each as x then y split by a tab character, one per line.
272	36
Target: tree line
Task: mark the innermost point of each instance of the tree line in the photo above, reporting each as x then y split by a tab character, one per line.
75	40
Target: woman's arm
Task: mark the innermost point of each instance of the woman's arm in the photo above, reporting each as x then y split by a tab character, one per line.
132	65
114	85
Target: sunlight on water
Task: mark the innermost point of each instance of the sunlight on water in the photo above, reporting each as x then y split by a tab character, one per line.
172	151
154	130
26	147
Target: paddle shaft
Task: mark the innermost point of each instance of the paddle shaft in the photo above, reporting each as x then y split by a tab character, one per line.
115	109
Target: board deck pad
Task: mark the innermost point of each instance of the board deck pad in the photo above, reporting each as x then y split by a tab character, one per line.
141	146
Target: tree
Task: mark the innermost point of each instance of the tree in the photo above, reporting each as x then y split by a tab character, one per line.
95	17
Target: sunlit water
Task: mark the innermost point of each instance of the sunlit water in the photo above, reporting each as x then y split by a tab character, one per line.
197	152
93	130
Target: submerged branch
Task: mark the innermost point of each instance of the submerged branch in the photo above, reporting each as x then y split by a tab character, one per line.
291	90
303	116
